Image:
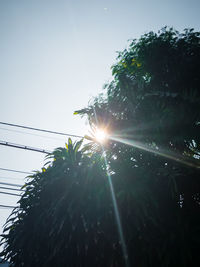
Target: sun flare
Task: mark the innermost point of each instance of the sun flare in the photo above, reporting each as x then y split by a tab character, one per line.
100	135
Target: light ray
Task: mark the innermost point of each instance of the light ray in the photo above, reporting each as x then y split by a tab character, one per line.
160	152
116	210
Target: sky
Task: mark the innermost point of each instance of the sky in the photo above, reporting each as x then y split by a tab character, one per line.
55	55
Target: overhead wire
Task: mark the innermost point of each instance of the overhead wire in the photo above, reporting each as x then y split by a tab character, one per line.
16	185
15	189
12	178
40	130
6	206
24	147
11	170
12	194
39	135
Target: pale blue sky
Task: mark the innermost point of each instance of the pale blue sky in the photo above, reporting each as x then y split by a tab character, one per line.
56	54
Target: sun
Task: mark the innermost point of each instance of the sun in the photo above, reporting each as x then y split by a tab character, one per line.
100	135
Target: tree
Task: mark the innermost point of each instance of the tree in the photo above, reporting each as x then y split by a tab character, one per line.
155	91
66	216
153	104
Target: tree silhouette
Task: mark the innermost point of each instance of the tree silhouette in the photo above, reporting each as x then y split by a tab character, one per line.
65	216
151	110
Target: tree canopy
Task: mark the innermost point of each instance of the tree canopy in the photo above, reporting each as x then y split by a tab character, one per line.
154	95
66	217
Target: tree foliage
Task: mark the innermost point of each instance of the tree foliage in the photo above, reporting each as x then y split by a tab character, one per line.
153	100
66	214
155	94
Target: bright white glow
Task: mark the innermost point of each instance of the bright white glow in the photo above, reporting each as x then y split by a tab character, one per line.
100	135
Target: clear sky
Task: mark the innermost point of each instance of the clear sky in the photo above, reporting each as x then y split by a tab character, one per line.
55	55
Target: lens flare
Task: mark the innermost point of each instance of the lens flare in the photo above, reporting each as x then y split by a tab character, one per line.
103	136
161	152
100	135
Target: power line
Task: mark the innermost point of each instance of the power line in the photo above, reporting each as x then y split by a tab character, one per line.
16	185
12	178
12	194
7	188
6	206
4	143
40	130
11	170
39	135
